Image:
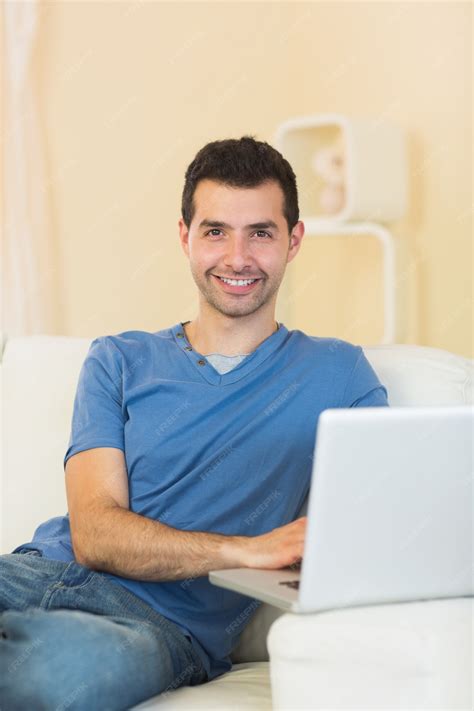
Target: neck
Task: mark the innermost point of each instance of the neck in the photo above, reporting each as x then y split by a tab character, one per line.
228	336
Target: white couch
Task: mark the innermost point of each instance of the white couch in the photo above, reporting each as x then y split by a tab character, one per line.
415	655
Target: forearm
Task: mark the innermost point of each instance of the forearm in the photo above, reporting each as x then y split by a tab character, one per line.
130	545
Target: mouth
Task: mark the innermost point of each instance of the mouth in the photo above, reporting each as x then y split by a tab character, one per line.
236	289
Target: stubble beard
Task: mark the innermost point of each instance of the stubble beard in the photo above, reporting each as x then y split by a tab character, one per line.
231	305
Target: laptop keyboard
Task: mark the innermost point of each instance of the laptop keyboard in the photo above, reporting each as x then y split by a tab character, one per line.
295	584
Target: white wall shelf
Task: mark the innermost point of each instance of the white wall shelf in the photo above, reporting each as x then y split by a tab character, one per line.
313	228
351	175
373	180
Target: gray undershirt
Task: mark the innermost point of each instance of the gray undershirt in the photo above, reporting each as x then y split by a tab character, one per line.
224	363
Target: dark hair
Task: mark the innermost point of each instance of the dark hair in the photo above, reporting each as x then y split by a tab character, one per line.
243	163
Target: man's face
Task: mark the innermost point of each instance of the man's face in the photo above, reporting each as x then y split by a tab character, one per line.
232	236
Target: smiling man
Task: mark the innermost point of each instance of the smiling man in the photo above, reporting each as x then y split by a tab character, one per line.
191	450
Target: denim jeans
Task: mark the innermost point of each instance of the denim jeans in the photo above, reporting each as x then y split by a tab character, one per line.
70	638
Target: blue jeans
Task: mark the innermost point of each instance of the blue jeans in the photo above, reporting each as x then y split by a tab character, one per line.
70	638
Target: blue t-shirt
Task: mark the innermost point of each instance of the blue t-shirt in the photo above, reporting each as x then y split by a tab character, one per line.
226	453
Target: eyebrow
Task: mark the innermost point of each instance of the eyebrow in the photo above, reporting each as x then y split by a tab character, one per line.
253	226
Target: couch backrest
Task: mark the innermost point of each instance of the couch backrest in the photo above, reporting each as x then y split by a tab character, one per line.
39	378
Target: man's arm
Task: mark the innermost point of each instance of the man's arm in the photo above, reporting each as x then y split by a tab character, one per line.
107	536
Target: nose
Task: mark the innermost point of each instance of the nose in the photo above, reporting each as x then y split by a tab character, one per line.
237	255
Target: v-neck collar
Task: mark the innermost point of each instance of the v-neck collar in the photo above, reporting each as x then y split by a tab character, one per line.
207	370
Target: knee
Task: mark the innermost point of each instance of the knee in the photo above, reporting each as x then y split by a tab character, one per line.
53	660
25	681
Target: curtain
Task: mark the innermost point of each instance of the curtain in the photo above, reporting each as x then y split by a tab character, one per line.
29	272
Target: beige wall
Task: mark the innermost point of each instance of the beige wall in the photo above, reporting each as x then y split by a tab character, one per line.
130	91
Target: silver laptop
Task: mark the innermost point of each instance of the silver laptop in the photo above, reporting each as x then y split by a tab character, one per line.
390	513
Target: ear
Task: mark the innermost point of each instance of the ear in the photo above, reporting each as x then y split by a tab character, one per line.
297	234
183	236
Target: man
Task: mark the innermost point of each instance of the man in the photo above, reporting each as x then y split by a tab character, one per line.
190	450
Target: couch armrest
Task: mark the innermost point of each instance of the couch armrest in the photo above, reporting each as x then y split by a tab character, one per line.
412	655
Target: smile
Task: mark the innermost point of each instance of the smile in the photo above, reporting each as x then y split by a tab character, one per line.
236	286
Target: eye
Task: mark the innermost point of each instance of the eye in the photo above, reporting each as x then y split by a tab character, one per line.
259	232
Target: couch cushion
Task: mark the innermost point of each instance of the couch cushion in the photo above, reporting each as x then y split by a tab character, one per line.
412	655
252	645
39	379
247	686
420	375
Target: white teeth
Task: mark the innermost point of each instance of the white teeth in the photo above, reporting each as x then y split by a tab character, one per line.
238	282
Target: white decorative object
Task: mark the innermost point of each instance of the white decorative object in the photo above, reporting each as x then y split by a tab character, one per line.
329	162
366	156
331	199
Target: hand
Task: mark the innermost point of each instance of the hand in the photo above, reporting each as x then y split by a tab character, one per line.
281	547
